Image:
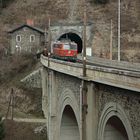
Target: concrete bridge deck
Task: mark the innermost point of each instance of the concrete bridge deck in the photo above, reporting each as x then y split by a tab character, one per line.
124	75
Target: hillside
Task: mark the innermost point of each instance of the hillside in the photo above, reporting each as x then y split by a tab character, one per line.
101	14
27	101
17	12
14	68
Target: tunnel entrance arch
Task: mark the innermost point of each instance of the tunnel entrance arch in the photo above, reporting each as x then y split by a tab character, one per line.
73	37
69	129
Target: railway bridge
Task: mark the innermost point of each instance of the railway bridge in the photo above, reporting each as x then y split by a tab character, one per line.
113	99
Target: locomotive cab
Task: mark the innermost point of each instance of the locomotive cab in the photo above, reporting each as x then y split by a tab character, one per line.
66	50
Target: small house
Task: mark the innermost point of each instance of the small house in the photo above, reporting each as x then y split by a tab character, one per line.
26	38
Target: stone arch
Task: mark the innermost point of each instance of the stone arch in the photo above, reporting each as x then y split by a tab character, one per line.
73	36
110	110
67	98
69	128
69	31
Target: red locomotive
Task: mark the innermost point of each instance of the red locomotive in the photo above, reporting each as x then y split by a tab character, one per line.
64	50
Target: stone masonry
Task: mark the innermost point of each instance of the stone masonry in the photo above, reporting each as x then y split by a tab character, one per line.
105	102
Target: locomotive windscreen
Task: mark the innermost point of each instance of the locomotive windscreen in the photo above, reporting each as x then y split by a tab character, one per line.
73	47
66	46
70	46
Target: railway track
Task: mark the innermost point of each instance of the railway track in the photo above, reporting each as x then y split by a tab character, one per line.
99	62
109	64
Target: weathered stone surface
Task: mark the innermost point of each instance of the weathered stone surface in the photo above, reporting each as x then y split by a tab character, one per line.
25	45
128	100
66	82
104	100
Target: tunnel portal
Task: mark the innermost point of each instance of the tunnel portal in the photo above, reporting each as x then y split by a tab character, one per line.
73	37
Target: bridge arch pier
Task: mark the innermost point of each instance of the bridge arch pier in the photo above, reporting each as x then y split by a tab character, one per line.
67	99
69	128
113	112
67	117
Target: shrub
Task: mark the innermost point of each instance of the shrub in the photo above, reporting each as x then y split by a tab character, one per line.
101	1
13	65
4	3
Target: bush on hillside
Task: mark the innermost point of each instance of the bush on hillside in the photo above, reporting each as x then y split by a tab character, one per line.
12	65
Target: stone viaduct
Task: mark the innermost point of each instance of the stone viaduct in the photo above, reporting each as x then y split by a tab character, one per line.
113	100
113	94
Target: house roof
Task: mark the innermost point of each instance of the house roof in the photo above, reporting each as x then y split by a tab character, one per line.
25	25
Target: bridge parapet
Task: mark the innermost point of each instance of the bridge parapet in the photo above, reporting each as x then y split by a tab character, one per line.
113	76
130	66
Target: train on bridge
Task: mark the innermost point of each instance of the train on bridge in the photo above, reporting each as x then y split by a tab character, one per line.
64	50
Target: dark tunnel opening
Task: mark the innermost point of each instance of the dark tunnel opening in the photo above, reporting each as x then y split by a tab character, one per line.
73	37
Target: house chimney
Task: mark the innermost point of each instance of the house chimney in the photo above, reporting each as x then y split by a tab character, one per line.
30	22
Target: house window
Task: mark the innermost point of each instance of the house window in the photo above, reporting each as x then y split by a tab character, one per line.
32	38
18	38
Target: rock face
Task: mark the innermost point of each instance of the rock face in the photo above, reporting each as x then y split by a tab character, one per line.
100	14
